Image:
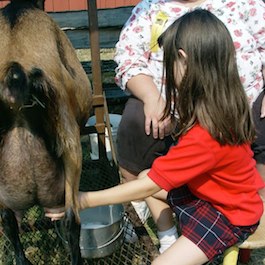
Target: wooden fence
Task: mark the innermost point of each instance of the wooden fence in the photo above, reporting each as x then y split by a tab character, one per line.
110	22
73	5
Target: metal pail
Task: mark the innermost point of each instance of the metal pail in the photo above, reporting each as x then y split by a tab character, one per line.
102	230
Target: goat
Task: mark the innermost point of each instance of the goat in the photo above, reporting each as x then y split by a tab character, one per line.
45	98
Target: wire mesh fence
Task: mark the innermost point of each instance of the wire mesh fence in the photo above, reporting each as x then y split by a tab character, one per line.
43	240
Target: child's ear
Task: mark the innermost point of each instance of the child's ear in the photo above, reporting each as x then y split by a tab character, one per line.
182	55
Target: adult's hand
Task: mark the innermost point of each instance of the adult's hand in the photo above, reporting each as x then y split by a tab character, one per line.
144	88
154	109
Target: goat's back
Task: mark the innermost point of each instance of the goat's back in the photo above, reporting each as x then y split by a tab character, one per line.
31	38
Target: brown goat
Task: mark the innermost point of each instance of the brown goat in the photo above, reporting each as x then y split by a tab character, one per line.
45	97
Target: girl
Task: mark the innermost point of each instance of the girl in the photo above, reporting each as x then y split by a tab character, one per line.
209	178
142	135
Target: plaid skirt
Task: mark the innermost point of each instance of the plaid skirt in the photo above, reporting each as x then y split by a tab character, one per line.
206	227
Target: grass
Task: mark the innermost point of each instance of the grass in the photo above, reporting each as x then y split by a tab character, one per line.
85	54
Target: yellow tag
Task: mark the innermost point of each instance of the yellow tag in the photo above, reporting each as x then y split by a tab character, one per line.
157	28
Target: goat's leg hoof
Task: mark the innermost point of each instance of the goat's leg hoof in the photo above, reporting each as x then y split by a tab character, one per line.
11	231
72	229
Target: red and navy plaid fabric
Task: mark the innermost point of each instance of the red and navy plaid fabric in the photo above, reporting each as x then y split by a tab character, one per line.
206	227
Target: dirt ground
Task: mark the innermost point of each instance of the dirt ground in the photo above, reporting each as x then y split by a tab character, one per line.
85	54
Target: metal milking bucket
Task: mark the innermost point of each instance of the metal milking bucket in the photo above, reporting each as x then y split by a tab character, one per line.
102	230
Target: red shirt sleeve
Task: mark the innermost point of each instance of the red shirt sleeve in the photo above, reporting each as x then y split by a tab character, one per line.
190	158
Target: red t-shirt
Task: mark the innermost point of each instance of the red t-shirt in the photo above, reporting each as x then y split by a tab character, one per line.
225	176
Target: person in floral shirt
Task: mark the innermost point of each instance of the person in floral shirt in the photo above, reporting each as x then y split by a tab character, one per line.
142	135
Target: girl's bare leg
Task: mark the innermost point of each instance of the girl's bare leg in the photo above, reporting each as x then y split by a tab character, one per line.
163	217
140	206
161	213
182	252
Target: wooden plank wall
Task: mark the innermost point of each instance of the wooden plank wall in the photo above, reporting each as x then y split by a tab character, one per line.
75	23
110	22
71	5
116	3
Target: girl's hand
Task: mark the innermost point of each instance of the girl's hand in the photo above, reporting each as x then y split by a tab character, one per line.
58	213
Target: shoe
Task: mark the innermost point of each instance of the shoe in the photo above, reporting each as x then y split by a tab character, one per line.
142	210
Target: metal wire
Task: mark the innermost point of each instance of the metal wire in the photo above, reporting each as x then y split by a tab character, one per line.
44	241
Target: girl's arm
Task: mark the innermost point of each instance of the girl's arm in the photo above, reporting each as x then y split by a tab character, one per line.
140	188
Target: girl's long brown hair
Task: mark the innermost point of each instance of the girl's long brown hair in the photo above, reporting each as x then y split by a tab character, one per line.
211	92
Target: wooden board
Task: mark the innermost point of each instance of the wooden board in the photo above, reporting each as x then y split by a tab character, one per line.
110	23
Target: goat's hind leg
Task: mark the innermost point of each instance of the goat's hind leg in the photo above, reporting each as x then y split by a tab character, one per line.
72	230
10	227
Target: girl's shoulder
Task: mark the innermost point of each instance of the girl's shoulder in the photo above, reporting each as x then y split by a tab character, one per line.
197	133
197	129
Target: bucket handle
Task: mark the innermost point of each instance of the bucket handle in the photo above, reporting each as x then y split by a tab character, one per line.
111	241
102	246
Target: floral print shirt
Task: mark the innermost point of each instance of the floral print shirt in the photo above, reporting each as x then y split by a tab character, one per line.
245	20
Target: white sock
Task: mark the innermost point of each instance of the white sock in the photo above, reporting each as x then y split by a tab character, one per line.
167	238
